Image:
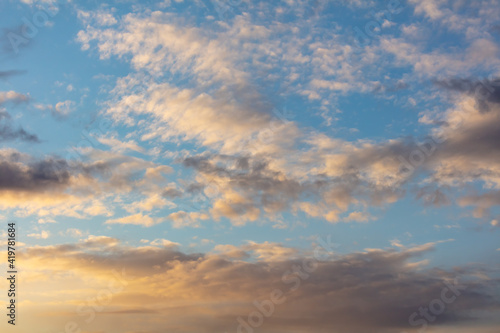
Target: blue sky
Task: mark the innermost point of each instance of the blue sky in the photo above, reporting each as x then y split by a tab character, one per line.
209	127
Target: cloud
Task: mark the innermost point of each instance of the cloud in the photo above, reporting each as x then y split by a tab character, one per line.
473	22
270	251
244	188
231	251
468	152
433	196
333	182
182	219
104	249
154	201
42	235
482	202
12	96
428	7
216	289
8	133
100	18
165	243
468	149
37	176
120	146
46	220
253	164
358	217
81	188
7	74
439	62
484	91
171	193
136	219
75	233
257	163
264	252
63	109
236	125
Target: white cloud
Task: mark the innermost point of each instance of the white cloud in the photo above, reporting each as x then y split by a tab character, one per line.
164	243
100	17
136	219
65	108
75	233
42	235
120	146
46	220
6	96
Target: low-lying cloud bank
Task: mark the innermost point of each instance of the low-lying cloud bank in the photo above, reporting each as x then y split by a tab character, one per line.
372	291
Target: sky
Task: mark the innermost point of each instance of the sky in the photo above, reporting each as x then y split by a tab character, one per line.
251	166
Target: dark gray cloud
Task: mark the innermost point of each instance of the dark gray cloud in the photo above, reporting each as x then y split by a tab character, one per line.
195	188
476	140
36	176
10	73
171	193
4	115
26	173
13	40
485	91
495	29
432	196
9	133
